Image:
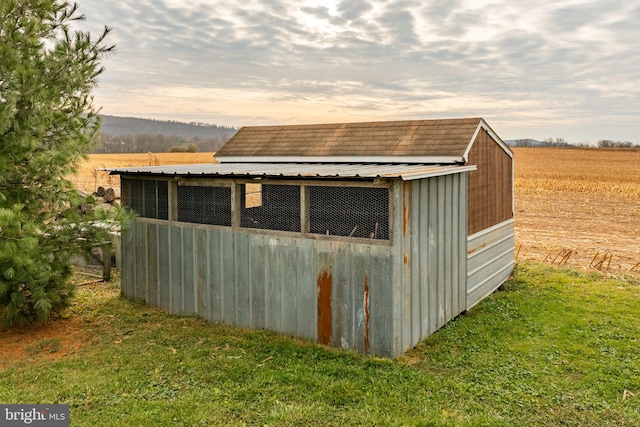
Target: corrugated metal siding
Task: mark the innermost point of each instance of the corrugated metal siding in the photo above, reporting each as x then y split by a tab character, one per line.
372	298
490	260
263	281
491	186
432	257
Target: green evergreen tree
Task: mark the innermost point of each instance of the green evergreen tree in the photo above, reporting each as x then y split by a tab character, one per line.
47	120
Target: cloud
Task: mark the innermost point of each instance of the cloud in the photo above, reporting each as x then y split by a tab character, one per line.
557	62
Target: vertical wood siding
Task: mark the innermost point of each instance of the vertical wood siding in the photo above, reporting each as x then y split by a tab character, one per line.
491	186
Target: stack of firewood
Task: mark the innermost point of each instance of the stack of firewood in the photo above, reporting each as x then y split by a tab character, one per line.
103	198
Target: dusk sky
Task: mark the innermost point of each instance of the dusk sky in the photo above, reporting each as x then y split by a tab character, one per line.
547	68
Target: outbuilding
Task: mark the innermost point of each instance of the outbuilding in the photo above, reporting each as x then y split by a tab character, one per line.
364	236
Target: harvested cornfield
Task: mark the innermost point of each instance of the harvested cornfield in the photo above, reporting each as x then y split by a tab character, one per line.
90	176
579	207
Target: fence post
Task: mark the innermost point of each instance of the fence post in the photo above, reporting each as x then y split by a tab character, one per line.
106	262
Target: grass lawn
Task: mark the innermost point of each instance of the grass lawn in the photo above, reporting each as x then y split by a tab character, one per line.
553	348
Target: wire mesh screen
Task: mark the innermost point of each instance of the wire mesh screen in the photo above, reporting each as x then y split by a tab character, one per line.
204	205
349	211
361	212
279	207
147	198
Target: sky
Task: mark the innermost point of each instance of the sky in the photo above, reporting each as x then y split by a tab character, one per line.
538	69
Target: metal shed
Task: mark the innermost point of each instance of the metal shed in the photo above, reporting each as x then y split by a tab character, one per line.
369	252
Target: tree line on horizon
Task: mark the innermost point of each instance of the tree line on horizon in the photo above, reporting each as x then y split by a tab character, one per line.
561	142
134	135
141	143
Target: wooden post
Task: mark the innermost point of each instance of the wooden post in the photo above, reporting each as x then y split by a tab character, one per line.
106	262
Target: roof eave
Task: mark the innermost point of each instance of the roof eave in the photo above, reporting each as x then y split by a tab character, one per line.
406	172
447	170
483	125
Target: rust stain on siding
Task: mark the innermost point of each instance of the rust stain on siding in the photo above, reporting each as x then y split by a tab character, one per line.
472	250
325	283
366	315
406	211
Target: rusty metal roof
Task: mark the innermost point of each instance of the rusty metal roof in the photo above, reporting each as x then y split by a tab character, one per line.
296	170
417	141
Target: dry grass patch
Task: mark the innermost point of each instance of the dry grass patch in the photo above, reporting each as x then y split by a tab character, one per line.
90	176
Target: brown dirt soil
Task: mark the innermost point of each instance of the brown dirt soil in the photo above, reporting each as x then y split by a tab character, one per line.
56	339
52	340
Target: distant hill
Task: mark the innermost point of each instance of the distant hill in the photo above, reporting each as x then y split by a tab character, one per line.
132	135
119	126
523	142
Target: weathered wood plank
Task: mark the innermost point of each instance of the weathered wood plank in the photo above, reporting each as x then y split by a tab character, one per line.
289	286
216	254
188	271
201	253
164	268
242	257
175	262
273	298
258	254
152	264
141	274
306	275
228	280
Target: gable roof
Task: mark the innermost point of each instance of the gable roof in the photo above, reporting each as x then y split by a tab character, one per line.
411	141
